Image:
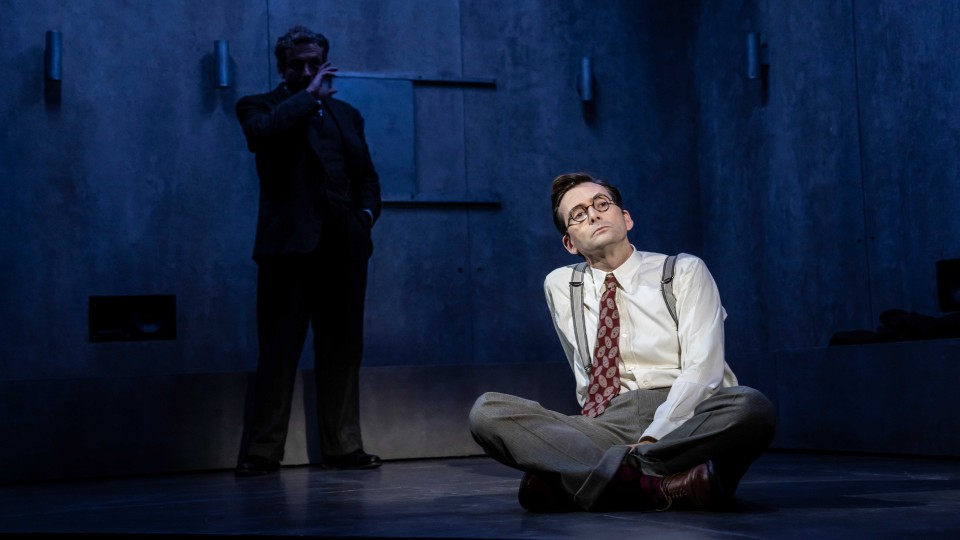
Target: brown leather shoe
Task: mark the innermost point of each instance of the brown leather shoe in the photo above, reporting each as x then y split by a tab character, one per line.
696	489
543	492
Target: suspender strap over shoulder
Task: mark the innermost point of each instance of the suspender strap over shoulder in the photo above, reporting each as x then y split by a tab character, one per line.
666	287
579	325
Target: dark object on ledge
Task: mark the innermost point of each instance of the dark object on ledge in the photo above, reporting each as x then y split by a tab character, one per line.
854	337
133	318
948	285
900	325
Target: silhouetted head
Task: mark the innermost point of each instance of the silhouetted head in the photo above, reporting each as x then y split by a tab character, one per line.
300	53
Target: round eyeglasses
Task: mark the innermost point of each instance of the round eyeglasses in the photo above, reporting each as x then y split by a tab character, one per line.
601	203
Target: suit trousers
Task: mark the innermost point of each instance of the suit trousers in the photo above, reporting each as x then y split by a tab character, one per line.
324	289
733	428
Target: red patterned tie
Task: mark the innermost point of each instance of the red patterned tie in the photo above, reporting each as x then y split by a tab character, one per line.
605	376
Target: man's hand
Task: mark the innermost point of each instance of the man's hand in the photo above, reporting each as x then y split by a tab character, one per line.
317	88
643	440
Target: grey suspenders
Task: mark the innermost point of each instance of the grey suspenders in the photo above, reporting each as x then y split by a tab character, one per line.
576	303
666	287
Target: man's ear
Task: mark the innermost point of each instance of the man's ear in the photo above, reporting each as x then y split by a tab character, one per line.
569	245
628	220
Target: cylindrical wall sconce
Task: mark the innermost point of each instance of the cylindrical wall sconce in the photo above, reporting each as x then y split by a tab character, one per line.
53	56
756	56
585	79
221	55
753	56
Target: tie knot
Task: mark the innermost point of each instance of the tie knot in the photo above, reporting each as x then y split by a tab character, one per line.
610	282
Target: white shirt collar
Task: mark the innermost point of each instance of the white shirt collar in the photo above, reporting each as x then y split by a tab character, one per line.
624	273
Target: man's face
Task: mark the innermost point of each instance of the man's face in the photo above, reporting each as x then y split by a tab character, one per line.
599	230
303	61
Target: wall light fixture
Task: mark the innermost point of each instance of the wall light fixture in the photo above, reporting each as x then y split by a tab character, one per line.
53	56
757	59
221	55
585	80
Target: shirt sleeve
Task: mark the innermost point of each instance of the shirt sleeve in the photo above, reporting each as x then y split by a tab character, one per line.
700	333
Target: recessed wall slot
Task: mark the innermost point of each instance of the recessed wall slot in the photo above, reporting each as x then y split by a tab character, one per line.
133	318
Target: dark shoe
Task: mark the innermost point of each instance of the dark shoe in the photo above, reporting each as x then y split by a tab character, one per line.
358	459
257	466
696	489
543	492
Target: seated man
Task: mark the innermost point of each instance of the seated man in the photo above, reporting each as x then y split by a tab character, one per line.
664	423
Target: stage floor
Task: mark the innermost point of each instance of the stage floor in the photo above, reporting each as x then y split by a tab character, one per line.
784	495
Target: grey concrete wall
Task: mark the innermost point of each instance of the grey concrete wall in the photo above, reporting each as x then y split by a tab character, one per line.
137	181
817	201
829	194
910	128
781	174
780	179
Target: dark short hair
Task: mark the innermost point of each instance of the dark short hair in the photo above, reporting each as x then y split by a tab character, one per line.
565	182
298	35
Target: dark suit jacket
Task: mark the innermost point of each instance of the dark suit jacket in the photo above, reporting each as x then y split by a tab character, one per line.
292	192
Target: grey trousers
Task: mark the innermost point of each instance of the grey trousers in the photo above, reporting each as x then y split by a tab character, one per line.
733	428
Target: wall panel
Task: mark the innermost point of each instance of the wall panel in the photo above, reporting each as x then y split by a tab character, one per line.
908	97
135	182
814	247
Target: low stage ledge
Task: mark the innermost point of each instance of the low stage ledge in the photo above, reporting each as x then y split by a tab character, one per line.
892	398
86	428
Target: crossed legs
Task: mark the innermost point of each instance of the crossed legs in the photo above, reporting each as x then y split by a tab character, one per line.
732	428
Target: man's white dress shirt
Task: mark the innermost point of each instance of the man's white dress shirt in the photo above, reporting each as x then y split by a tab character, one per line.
654	352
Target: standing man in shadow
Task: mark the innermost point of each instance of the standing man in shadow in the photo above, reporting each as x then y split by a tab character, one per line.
319	199
664	423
